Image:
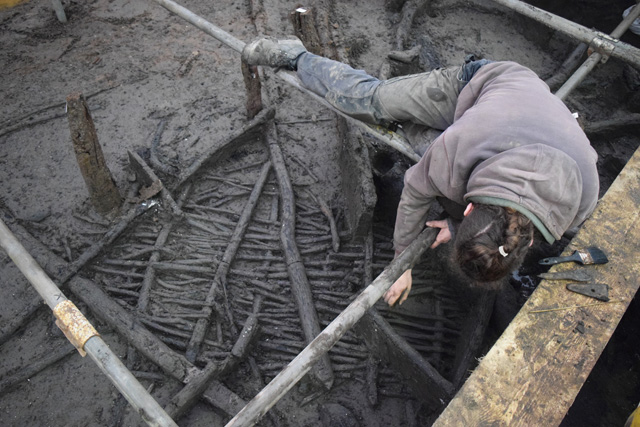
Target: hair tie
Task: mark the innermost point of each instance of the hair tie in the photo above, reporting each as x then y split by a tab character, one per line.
502	251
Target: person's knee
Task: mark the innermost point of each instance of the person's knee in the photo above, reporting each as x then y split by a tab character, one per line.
436	95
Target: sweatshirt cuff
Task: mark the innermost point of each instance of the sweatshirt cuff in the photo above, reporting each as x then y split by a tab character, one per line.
453	227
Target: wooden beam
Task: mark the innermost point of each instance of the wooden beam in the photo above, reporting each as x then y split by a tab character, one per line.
253	86
300	286
533	373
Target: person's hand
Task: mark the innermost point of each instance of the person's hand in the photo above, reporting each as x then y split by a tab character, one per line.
399	291
444	235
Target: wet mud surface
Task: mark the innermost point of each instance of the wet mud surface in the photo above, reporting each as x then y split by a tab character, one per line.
158	87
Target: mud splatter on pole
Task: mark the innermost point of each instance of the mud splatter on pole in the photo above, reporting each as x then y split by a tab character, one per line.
103	192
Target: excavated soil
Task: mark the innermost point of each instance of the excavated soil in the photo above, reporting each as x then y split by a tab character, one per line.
139	67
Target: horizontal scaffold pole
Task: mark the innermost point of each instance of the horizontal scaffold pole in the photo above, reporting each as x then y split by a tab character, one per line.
597	40
596	57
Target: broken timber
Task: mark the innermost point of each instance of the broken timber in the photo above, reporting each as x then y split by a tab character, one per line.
190	394
546	351
252	83
219	287
392	139
104	194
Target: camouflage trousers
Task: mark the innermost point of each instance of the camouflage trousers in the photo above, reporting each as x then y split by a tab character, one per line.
415	102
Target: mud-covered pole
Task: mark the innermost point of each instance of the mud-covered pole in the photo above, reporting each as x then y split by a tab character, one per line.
203	24
303	362
81	333
385	136
103	192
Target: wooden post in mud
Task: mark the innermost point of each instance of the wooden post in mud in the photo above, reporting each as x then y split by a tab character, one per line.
304	27
252	83
103	192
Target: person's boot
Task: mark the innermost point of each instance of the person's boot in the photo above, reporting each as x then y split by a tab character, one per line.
273	52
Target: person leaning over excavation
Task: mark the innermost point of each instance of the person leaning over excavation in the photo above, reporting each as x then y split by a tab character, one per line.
512	158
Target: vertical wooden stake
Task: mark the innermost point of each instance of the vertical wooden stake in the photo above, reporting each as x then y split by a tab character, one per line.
103	192
304	27
254	87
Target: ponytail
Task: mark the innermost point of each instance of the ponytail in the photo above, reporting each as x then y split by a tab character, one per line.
491	242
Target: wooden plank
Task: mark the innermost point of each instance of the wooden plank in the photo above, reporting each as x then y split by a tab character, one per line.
533	373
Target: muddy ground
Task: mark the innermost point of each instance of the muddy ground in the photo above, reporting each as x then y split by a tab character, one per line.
139	66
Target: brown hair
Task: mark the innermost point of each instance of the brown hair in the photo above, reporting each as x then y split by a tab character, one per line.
480	236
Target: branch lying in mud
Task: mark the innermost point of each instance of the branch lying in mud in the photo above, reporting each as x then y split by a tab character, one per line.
31	369
567	68
300	287
245	133
335	239
218	287
613	126
191	393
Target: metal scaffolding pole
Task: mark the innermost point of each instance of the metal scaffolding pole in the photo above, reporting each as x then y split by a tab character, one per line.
598	41
596	57
81	333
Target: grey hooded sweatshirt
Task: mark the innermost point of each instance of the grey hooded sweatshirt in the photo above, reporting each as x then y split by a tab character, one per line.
513	144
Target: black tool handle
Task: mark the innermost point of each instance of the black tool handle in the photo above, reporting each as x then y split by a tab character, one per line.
557	260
